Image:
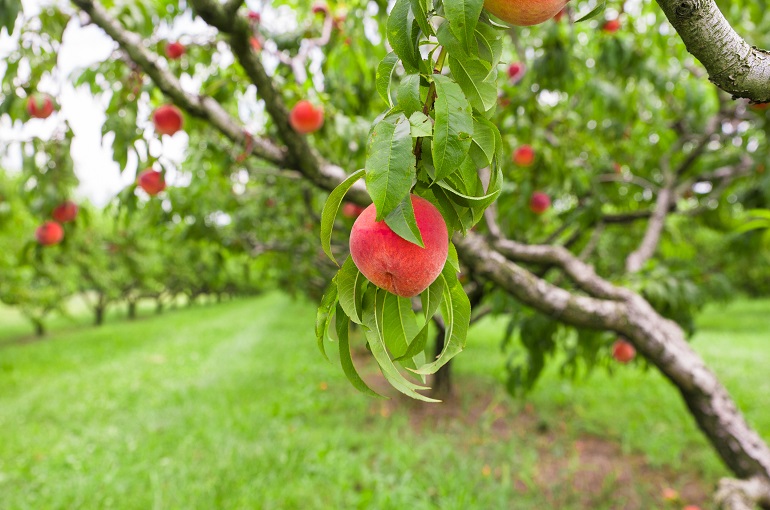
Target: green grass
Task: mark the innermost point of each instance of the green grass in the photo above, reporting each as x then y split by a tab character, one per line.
231	407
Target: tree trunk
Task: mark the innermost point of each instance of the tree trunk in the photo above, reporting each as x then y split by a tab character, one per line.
132	310
39	327
158	306
99	315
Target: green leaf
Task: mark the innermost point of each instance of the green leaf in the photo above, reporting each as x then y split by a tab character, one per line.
483	147
467	200
399	325
372	298
324	315
8	13
401	34
421	9
421	125
346	360
456	310
350	286
390	163
463	16
431	300
453	129
408	94
477	81
384	74
402	222
452	259
597	10
490	42
331	207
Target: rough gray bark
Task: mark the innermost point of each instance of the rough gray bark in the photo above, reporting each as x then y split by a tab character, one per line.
733	64
605	307
636	260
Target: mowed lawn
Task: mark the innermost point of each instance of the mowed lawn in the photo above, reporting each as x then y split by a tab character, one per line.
231	406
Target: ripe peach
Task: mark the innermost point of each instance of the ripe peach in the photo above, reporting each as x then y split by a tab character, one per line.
611	26
320	8
167	119
65	212
539	202
516	72
623	351
559	15
151	181
175	50
393	263
306	118
524	12
255	44
49	233
40	106
759	107
255	17
524	155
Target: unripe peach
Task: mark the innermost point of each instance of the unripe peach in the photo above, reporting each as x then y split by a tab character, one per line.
65	212
40	106
393	263
524	155
524	12
167	119
623	351
611	26
306	118
539	202
175	50
49	233
151	181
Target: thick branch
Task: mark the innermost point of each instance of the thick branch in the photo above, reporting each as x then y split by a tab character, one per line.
742	494
733	65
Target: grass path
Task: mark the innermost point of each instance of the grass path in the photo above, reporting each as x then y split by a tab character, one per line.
231	407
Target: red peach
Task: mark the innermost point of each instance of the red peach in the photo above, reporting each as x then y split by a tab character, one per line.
539	202
516	72
49	233
559	15
65	212
524	155
393	263
623	351
175	50
151	181
255	16
524	12
40	106
320	8
255	44
611	26
167	119
306	118
758	107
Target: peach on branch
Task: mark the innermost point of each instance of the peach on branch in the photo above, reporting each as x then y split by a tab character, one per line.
539	202
49	233
393	263
175	50
623	351
167	119
524	155
516	72
350	210
151	181
40	106
611	26
65	212
524	12
306	118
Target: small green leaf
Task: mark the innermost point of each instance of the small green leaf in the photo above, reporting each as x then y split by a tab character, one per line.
483	146
596	11
390	163
399	325
452	259
463	16
421	125
431	300
402	222
350	286
346	360
408	94
330	211
477	80
453	130
421	9
466	200
401	34
384	75
324	315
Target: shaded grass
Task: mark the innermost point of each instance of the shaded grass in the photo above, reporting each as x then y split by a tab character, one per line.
231	406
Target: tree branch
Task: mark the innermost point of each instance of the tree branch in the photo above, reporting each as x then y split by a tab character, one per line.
649	243
733	65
